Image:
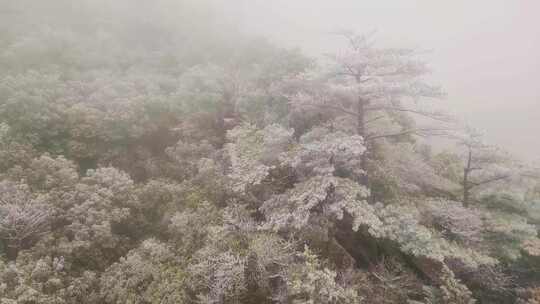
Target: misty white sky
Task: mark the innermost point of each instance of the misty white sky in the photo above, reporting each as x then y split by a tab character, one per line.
485	53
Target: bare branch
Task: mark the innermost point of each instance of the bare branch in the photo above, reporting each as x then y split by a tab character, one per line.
337	108
374	119
419	132
487	181
431	115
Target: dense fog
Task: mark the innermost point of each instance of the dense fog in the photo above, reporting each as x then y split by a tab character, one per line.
484	53
183	151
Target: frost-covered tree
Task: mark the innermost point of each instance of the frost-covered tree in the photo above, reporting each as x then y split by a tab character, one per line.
455	221
399	170
372	86
252	85
150	273
315	284
483	165
23	217
322	162
152	153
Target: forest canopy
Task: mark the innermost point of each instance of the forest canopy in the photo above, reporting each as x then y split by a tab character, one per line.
152	152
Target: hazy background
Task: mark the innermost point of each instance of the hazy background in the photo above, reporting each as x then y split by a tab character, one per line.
485	53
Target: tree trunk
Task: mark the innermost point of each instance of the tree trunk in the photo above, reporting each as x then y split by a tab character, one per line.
278	286
254	292
466	196
12	249
361	130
